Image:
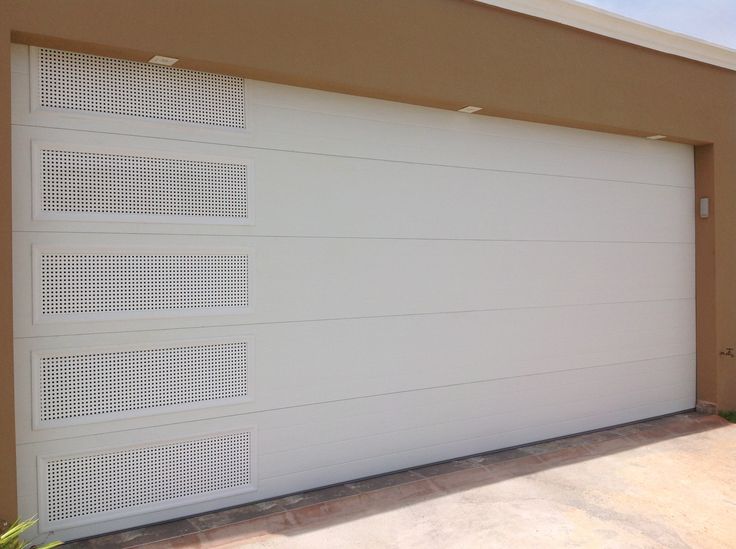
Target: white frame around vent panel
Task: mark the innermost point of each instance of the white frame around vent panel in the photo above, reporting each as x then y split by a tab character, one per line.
47	525
36	388
38	252
37	147
36	105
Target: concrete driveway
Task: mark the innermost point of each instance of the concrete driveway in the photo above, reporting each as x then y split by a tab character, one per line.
669	482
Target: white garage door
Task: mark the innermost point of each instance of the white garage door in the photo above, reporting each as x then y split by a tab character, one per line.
224	294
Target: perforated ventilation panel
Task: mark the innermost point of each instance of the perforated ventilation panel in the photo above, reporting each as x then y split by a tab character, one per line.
134	480
79	184
81	386
94	84
105	285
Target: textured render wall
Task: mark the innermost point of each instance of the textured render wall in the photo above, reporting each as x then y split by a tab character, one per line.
439	53
7	419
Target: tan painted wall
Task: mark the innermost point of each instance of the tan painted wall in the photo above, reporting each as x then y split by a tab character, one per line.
7	409
439	53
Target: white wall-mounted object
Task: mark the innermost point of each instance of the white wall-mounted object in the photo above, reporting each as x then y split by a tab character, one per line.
163	60
704	204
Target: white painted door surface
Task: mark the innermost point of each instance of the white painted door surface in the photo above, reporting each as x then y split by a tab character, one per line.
225	293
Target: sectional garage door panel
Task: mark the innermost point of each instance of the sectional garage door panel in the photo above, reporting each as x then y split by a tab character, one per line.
402	354
298	279
343	125
318	195
349	126
423	135
275	289
331	442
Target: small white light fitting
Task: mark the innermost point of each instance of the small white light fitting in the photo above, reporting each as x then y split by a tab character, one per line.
469	108
163	60
656	137
704	207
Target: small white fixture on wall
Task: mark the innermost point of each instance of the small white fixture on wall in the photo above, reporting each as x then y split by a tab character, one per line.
470	109
704	207
163	60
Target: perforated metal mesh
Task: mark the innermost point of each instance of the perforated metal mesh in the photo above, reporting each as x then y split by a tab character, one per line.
133	478
96	183
89	283
83	385
82	82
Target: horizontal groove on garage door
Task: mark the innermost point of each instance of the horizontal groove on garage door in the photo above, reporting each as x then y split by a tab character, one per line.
91	83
